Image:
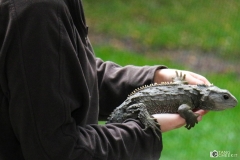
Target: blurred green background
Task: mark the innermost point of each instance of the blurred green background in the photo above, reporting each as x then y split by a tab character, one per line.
198	35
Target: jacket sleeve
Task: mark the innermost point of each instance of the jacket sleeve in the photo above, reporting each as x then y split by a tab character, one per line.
116	83
43	81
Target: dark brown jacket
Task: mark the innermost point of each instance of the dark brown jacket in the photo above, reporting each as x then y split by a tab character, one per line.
53	89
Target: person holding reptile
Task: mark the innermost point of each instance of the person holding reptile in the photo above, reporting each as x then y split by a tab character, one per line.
53	90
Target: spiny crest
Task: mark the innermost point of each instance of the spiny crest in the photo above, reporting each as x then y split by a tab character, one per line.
150	85
179	79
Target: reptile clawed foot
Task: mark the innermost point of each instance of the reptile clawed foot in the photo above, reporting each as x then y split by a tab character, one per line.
146	119
191	121
150	123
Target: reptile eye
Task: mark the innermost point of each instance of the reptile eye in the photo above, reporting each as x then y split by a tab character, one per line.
226	97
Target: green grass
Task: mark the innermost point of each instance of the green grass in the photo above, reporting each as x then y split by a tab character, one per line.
123	57
218	130
210	26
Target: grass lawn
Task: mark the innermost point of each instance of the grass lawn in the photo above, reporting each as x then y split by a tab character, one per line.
218	130
211	26
208	26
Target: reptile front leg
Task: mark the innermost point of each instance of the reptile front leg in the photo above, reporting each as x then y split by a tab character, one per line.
142	114
186	112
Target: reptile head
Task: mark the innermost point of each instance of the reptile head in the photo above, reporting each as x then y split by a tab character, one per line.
216	99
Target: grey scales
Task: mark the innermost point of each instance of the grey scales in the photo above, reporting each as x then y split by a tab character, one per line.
175	97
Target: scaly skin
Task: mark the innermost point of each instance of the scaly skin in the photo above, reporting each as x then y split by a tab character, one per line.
175	97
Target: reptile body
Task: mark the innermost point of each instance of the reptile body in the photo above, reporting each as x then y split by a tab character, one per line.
175	97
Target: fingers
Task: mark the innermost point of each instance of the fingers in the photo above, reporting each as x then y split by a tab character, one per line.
194	81
197	79
201	113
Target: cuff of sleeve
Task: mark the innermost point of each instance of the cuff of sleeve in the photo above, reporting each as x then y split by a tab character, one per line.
155	68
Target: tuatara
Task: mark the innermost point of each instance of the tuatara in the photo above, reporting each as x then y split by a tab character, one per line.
175	97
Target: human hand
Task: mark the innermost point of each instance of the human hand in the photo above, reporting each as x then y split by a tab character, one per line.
169	122
166	75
